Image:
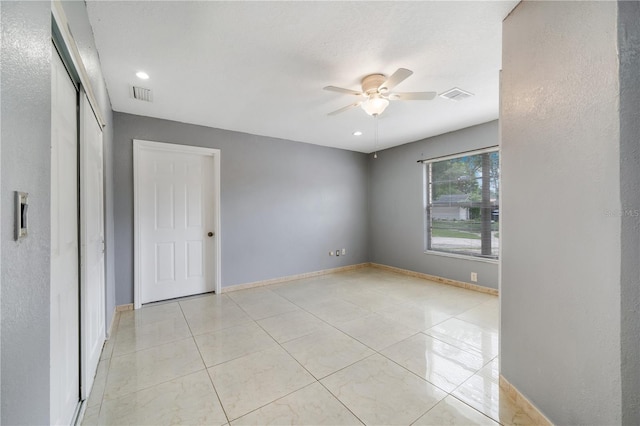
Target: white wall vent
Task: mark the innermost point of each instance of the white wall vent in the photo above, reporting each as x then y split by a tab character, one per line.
456	94
141	94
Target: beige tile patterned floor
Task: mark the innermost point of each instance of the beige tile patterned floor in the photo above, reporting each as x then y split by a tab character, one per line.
360	347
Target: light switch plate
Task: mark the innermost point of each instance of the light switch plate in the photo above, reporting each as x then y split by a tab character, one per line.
22	210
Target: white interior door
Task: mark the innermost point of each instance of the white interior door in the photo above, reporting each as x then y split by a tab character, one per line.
64	344
92	243
175	193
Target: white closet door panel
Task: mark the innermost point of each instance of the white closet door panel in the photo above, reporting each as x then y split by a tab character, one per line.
64	343
92	237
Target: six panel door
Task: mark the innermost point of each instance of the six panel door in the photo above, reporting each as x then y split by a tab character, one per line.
175	208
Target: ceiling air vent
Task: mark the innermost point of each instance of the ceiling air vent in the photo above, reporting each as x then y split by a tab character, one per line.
141	94
456	94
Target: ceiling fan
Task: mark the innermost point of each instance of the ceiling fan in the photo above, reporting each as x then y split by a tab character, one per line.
376	92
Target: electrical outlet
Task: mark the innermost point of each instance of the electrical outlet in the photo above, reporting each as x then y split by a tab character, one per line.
330	253
344	251
338	252
474	277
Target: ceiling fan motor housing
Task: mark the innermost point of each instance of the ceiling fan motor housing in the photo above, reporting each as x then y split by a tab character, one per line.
371	83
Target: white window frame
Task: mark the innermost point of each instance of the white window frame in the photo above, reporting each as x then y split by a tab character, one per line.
426	202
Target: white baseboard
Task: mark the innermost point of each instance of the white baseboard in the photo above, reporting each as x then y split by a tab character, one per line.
435	278
522	402
127	307
114	318
293	277
468	286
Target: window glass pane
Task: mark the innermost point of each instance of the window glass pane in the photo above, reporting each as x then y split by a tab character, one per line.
462	205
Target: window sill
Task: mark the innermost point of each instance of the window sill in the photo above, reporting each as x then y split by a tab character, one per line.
463	257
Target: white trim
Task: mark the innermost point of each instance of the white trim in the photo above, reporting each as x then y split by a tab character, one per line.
60	20
462	256
137	291
110	330
461	154
500	211
125	307
426	163
138	146
441	280
523	403
78	416
288	278
173	147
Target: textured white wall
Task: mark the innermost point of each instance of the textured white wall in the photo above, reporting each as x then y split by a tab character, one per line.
560	273
26	139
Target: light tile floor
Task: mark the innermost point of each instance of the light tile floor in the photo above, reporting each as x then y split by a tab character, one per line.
360	347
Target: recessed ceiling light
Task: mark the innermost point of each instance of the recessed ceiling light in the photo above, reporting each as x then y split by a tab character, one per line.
142	75
357	133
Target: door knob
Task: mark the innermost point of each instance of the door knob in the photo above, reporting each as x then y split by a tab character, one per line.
210	234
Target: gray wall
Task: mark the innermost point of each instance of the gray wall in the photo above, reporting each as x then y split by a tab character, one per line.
629	48
25	113
284	204
397	206
560	277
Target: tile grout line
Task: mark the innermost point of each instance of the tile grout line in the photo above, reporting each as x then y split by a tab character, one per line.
456	346
340	401
159	383
206	369
114	334
317	380
465	402
158	344
252	353
153	347
275	400
401	366
375	352
324	322
475	409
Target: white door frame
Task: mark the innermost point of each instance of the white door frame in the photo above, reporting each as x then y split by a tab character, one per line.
140	145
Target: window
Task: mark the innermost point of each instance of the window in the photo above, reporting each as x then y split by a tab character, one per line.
462	210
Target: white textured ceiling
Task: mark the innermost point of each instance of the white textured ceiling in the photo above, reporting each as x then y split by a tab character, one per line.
259	67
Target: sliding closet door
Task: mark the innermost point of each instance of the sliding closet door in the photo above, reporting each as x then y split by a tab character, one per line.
92	238
65	284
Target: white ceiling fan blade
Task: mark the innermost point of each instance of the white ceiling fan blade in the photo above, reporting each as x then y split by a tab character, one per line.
396	78
341	90
343	109
412	96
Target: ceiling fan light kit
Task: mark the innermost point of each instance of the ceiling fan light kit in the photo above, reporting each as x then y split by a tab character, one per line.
375	105
376	90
